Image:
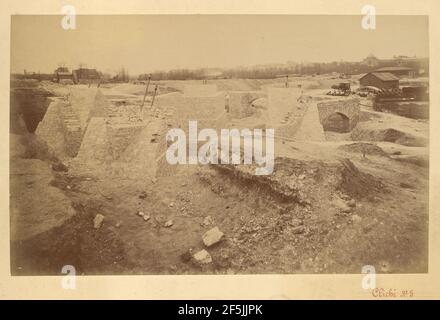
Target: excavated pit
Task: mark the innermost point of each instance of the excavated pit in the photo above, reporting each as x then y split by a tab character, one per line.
27	108
301	182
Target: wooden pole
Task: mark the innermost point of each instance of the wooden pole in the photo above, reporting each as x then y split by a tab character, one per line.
154	95
146	91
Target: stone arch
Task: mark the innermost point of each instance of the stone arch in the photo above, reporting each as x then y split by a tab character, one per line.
337	122
348	110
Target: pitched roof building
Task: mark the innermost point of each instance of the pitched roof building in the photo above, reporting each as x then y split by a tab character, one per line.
398	71
381	80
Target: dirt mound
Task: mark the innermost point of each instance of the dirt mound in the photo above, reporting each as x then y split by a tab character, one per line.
35	205
303	182
75	243
363	148
388	135
356	183
418	160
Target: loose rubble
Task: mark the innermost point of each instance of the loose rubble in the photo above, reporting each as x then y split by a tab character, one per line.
97	222
202	257
212	236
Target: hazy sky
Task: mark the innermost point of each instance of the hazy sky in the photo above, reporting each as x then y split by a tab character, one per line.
148	43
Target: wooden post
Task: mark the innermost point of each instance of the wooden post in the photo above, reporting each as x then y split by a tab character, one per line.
146	91
154	95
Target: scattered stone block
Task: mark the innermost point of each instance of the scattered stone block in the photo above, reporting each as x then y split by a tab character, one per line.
59	167
212	236
97	222
169	223
203	257
341	205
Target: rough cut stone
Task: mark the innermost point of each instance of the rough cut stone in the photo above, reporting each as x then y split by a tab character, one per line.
97	222
342	205
169	223
212	236
203	257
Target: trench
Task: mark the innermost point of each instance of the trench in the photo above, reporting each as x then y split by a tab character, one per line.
28	105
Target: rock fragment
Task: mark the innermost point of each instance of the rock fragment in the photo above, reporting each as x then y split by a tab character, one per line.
207	221
143	195
169	223
212	236
59	167
97	222
341	205
296	222
202	257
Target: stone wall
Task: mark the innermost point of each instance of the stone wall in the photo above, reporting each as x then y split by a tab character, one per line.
50	129
347	107
72	130
122	150
94	150
208	111
66	120
144	156
310	129
120	136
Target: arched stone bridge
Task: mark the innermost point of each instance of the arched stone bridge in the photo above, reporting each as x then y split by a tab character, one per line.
339	115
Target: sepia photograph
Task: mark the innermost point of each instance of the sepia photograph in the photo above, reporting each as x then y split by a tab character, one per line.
219	144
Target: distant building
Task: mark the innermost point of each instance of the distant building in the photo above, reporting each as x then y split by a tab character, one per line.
419	66
60	69
398	71
62	74
381	80
84	75
371	61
